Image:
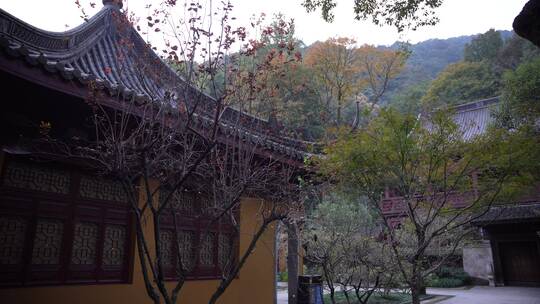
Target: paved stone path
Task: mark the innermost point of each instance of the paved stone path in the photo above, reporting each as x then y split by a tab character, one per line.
282	297
488	295
475	295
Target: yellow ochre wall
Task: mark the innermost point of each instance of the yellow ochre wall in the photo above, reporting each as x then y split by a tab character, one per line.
254	285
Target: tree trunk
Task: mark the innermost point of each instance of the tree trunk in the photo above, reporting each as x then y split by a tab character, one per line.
422	287
416	286
357	293
346	293
333	295
224	284
339	108
415	295
292	261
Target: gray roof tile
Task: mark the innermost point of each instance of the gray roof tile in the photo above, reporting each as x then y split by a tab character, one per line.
507	213
474	118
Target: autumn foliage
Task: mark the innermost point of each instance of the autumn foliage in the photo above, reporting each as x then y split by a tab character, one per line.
345	71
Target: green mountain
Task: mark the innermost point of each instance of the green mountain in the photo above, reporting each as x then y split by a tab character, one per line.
427	59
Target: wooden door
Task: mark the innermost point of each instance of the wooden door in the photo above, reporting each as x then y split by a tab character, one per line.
520	263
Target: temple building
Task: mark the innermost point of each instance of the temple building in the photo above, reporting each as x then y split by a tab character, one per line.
507	249
66	235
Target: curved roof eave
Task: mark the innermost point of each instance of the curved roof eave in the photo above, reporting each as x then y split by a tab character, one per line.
83	53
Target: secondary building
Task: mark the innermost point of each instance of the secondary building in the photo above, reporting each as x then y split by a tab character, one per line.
507	251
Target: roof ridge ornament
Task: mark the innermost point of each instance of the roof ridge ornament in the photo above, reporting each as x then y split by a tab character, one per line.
116	3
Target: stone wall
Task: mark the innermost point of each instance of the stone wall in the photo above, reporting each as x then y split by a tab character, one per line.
478	262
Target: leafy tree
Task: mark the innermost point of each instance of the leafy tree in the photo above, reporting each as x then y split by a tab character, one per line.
274	47
400	14
485	46
283	90
515	51
276	84
336	68
345	72
521	95
157	150
462	82
433	170
380	65
408	100
340	239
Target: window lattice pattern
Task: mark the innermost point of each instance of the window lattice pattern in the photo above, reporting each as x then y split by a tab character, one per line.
31	177
47	242
185	247
85	237
12	232
207	250
94	187
114	245
205	205
182	202
224	251
167	248
50	235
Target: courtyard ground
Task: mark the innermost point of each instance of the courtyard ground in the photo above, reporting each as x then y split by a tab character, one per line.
474	295
487	295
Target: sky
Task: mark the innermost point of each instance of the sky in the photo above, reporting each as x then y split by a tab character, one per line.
457	17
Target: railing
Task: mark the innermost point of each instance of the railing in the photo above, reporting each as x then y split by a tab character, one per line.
397	206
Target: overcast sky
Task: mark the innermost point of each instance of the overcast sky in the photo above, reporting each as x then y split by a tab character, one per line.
458	17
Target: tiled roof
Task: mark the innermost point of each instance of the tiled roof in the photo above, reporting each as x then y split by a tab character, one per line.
94	52
474	118
507	213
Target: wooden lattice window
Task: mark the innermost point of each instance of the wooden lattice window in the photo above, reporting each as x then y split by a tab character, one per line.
58	226
12	234
30	176
84	246
216	244
98	188
47	243
114	245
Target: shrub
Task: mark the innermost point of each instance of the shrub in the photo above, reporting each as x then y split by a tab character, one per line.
462	275
446	282
283	276
444	272
448	277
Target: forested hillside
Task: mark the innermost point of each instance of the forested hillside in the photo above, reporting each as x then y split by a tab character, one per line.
315	90
427	59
